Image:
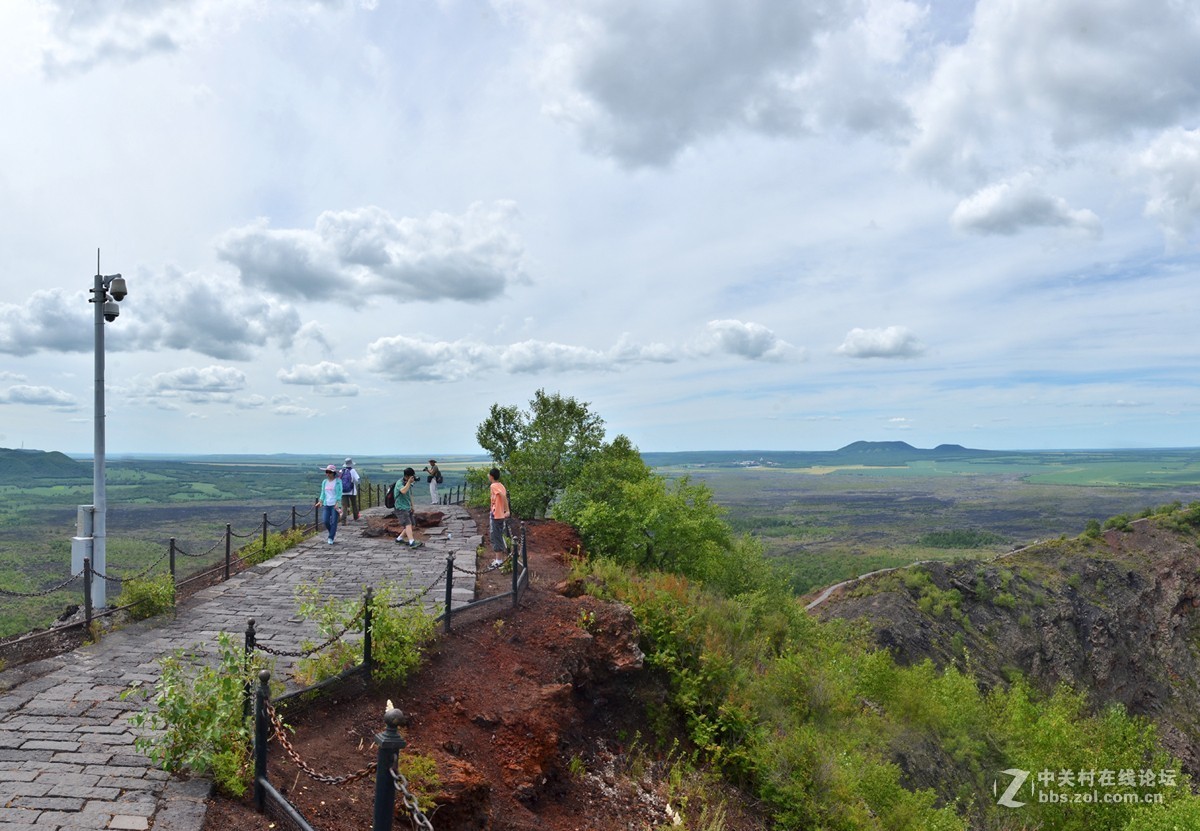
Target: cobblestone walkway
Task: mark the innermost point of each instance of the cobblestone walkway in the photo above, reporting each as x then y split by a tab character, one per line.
67	760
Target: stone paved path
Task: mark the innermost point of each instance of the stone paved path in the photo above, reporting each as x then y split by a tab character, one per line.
67	761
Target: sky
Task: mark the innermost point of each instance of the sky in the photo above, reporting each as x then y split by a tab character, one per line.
351	226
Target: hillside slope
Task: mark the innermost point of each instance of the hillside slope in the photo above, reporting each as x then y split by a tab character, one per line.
16	465
1116	616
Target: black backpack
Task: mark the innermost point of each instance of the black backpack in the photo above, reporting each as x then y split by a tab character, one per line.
439	477
389	498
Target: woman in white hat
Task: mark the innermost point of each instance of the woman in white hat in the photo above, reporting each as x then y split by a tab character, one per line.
330	500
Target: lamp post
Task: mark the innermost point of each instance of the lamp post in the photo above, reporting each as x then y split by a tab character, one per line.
107	292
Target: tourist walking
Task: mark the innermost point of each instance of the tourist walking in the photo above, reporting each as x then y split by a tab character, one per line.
498	513
435	479
349	477
329	498
404	505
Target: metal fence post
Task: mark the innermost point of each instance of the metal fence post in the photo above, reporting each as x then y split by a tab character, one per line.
515	557
264	534
449	588
87	591
251	645
390	743
172	558
293	517
367	659
524	557
228	547
261	732
316	519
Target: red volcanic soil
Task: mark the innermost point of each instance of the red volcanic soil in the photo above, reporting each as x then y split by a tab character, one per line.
534	716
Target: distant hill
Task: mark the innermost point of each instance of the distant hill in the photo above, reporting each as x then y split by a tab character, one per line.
868	453
36	464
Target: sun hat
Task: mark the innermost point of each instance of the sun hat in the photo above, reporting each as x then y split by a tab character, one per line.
349	463
331	469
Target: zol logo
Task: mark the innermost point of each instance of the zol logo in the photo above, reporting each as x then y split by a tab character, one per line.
1018	779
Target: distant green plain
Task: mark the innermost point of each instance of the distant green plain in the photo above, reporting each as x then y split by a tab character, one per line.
823	518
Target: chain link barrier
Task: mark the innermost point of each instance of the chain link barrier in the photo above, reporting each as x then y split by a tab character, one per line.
286	523
205	553
43	592
410	802
416	597
233	533
285	743
130	578
304	653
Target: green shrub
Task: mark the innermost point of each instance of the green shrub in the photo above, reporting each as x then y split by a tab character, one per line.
277	542
960	539
1119	522
196	719
400	628
149	596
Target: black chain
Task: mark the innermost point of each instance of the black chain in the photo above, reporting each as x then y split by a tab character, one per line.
410	802
283	653
418	596
210	550
281	736
44	592
132	577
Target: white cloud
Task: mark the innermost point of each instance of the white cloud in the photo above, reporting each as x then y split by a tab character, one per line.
38	396
52	320
325	372
1034	77
337	390
91	33
203	313
892	342
644	81
752	341
195	385
1172	163
294	410
351	255
415	359
251	402
1017	204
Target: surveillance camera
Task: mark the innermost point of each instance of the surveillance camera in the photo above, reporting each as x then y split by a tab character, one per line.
117	287
111	310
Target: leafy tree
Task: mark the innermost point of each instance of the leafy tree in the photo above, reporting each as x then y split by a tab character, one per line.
626	512
541	449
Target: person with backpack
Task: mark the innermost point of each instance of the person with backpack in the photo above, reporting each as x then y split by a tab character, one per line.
349	477
329	498
435	479
402	491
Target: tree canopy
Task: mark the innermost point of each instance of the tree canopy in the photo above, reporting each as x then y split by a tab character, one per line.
541	449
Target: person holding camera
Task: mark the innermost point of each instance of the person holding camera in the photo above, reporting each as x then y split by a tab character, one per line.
404	505
435	479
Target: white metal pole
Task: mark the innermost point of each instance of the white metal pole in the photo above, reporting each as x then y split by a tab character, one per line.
99	528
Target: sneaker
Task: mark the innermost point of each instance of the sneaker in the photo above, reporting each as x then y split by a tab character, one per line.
415	544
331	540
400	538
